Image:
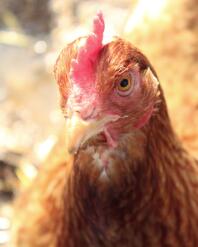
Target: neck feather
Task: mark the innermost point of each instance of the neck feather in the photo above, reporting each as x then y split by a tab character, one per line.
160	183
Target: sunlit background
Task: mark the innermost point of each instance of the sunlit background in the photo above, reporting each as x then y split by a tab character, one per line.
32	33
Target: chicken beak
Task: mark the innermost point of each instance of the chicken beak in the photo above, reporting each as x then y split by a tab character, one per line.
79	130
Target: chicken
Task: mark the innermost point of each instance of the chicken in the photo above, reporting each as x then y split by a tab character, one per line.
123	179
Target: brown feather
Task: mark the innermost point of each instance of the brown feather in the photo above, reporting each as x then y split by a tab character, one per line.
150	199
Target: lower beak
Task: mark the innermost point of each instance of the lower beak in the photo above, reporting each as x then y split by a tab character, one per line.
79	131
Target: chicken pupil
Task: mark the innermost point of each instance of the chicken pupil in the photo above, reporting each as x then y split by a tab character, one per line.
124	83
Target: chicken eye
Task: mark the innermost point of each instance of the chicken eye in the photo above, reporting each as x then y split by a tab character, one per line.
125	86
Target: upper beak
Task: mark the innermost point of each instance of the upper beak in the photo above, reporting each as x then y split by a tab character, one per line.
79	130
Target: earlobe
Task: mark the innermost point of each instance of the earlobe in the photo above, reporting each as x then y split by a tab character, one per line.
151	95
151	87
151	79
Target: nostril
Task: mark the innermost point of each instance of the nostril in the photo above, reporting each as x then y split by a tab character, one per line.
78	111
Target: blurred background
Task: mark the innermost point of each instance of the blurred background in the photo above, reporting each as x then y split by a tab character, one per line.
32	33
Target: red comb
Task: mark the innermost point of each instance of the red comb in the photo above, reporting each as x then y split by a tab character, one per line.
82	68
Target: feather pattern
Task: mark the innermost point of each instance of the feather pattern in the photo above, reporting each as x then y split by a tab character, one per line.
141	192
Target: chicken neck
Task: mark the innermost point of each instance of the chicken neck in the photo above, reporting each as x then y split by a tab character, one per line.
149	196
